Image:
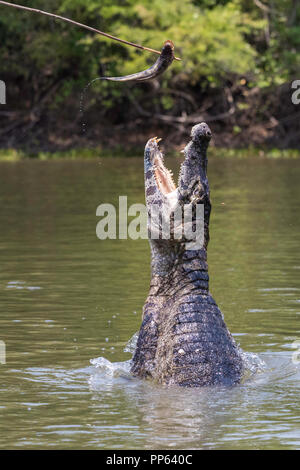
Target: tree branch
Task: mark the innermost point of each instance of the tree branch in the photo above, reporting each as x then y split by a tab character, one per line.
94	30
192	118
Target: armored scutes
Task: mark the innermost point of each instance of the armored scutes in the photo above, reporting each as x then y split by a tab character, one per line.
183	338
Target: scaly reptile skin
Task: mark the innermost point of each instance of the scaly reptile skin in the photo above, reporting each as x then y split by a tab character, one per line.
183	338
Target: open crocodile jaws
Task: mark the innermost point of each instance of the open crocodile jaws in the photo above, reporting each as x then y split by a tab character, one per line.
183	338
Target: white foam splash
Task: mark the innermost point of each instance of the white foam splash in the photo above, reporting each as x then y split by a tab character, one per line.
112	369
131	345
253	364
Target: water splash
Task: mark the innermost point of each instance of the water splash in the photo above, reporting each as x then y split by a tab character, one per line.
112	369
116	369
253	365
82	101
131	345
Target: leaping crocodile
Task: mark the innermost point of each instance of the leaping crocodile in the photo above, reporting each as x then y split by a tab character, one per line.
183	339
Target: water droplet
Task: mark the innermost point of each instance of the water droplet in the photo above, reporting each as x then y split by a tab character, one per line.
81	103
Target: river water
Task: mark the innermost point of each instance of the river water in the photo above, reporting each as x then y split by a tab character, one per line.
68	299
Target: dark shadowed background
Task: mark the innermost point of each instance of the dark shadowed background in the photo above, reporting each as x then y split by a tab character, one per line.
239	59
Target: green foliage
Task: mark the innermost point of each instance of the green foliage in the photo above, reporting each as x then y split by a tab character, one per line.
12	155
210	41
217	40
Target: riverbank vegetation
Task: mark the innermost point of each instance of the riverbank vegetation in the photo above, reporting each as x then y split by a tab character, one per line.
239	58
14	155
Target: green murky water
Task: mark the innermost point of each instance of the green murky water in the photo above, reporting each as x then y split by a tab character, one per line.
67	297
